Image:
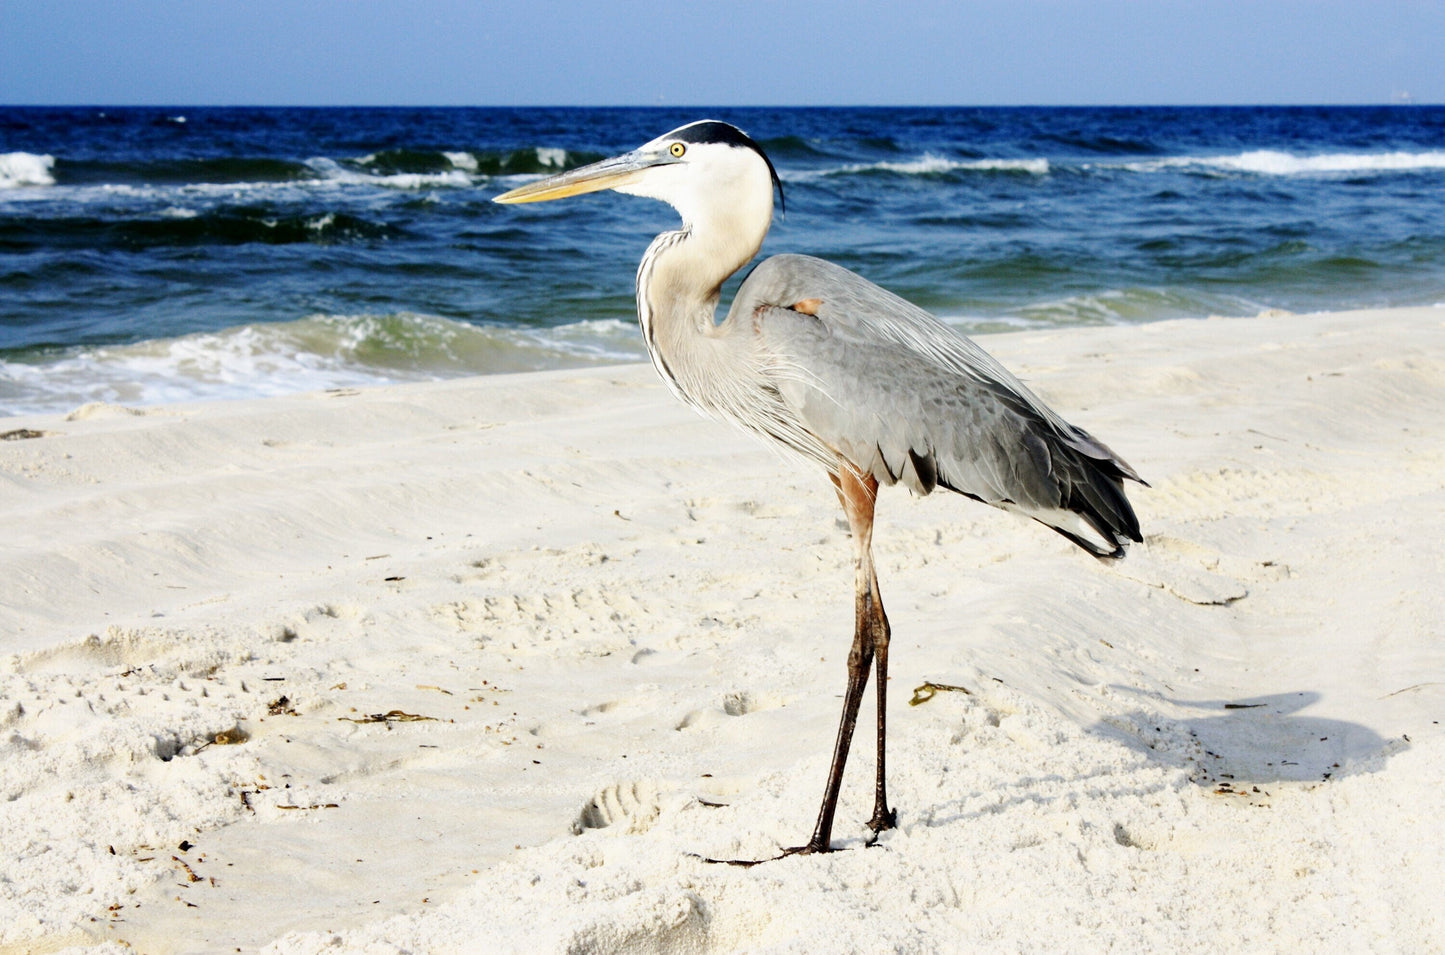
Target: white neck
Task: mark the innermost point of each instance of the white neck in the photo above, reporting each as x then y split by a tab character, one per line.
681	275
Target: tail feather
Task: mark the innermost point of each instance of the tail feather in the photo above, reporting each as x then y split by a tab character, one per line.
1094	550
1094	490
1048	470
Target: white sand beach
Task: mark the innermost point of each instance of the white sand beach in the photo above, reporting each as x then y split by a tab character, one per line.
491	664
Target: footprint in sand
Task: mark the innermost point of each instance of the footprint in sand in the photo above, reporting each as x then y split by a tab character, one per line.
634	805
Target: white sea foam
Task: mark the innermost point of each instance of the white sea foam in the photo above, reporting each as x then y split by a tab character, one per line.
931	164
331	171
182	200
310	354
928	164
1035	167
25	169
550	156
177	199
21	169
425	180
466	162
1269	162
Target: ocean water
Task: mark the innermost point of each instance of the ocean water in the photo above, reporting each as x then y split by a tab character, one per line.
154	255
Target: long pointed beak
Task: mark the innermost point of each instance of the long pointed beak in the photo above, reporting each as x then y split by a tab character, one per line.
607	174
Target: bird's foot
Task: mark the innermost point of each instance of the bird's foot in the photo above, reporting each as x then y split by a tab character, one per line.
807	850
883	820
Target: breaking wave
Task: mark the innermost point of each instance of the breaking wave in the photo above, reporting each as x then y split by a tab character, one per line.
1261	162
25	169
395	168
309	354
1269	162
930	164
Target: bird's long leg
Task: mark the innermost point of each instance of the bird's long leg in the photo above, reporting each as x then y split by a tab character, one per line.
883	817
857	494
872	621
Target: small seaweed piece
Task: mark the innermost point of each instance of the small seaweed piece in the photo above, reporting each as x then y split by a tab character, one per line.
926	692
231	737
392	716
281	706
190	873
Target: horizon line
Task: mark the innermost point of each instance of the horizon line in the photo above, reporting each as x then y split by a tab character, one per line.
781	106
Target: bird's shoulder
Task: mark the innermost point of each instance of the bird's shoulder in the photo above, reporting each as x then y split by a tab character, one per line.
838	297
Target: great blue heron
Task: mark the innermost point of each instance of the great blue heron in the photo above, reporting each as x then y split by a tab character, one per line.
844	373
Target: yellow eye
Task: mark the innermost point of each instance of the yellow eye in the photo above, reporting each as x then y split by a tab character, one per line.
677	149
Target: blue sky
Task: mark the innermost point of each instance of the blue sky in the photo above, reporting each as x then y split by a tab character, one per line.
720	52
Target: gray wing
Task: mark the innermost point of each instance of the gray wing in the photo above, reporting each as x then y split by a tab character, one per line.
905	398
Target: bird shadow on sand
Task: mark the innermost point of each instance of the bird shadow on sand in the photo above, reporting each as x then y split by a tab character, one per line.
1262	739
1232	747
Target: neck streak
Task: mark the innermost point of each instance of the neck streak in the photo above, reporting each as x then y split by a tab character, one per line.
678	284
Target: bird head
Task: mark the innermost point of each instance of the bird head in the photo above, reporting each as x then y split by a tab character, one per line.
709	171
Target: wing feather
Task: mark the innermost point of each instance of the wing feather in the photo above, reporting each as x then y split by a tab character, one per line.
905	398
